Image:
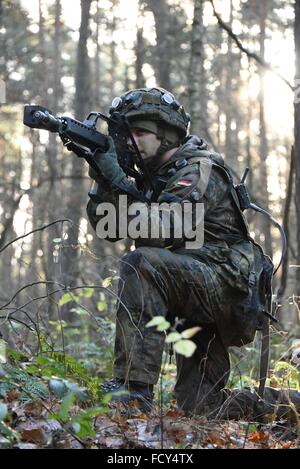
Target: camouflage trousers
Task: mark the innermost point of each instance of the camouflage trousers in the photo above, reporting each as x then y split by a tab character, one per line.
157	282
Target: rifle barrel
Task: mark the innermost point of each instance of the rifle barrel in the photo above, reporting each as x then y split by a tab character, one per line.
47	120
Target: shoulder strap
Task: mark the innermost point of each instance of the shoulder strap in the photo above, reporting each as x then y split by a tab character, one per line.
217	163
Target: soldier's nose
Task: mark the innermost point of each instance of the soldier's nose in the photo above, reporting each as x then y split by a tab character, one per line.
130	145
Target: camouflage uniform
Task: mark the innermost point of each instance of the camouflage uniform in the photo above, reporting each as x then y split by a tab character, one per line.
205	287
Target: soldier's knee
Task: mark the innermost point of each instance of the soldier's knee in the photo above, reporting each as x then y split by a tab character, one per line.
138	260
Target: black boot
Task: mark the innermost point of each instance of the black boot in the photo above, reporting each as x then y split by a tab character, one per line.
127	393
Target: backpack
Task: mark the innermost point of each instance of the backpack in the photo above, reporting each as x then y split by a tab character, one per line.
254	309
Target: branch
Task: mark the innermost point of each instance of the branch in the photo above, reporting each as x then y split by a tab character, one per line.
34	231
64	289
44	282
16	320
250	54
10	317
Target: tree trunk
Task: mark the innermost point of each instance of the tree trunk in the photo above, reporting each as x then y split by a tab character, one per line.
231	157
297	137
263	147
197	78
97	63
55	186
77	196
113	56
248	139
139	52
285	226
43	69
40	199
163	57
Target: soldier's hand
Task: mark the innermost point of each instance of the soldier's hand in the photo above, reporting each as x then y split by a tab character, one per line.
108	165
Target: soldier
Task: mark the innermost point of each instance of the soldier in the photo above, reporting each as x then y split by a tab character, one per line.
217	285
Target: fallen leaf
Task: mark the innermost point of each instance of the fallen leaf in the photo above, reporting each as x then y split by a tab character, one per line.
287	444
179	436
33	408
120	420
174	413
34	435
216	439
142	416
188	333
13	395
259	436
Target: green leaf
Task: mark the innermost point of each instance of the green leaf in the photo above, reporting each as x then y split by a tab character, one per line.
6	430
163	326
106	399
173	337
101	305
18	356
287	367
188	333
87	292
56	240
107	282
287	374
185	347
66	298
65	406
83	424
59	325
3	411
42	360
156	321
252	428
94	411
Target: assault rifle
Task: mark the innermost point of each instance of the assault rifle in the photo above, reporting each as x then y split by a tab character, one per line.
84	139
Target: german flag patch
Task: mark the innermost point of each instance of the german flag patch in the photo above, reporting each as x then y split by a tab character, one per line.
184	183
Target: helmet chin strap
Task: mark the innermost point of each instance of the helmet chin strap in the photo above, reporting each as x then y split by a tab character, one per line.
165	144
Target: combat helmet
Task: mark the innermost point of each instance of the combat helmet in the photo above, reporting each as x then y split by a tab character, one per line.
155	110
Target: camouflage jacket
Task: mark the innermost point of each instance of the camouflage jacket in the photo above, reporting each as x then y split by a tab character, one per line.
195	175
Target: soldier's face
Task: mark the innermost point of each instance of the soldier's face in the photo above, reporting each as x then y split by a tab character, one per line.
147	142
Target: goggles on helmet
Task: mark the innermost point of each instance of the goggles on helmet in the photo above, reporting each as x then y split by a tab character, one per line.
136	98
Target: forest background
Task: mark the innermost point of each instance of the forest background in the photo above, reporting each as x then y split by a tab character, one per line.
235	66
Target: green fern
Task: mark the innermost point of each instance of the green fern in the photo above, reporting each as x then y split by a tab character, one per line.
15	377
